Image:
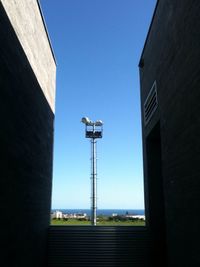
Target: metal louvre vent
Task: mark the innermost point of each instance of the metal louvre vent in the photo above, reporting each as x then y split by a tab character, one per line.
99	246
150	103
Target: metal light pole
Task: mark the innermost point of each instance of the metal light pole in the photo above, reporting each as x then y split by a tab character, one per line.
93	130
93	182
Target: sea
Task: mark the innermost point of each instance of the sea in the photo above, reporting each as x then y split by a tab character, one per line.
105	212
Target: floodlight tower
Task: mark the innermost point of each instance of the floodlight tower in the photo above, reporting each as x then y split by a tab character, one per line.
93	130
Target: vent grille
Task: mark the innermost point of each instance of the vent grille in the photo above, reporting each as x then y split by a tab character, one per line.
150	104
88	246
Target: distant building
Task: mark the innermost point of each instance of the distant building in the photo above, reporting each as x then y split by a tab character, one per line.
75	215
140	217
57	214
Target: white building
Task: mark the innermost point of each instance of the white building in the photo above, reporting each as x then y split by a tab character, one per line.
57	214
140	217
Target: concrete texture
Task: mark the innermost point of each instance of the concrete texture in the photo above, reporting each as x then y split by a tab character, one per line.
26	142
171	57
26	19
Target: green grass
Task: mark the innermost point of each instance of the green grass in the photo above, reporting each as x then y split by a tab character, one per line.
69	222
101	222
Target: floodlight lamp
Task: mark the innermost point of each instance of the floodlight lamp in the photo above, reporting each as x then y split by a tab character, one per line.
86	120
99	123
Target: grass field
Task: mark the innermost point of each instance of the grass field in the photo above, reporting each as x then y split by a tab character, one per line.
101	222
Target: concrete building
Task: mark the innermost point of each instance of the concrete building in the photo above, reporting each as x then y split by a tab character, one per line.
170	95
27	95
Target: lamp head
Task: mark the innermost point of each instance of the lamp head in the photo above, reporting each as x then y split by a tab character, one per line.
98	123
86	120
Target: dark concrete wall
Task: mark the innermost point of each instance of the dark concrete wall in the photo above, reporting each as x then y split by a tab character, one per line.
171	57
26	140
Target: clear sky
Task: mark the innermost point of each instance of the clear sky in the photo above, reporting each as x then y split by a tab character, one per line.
97	44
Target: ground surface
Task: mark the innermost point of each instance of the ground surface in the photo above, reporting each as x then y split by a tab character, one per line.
105	222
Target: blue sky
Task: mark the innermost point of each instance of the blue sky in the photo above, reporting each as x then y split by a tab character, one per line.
97	44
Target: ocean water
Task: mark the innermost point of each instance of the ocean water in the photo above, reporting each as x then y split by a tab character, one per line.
106	212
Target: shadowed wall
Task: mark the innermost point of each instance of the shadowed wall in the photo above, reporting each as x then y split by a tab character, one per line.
26	143
171	58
